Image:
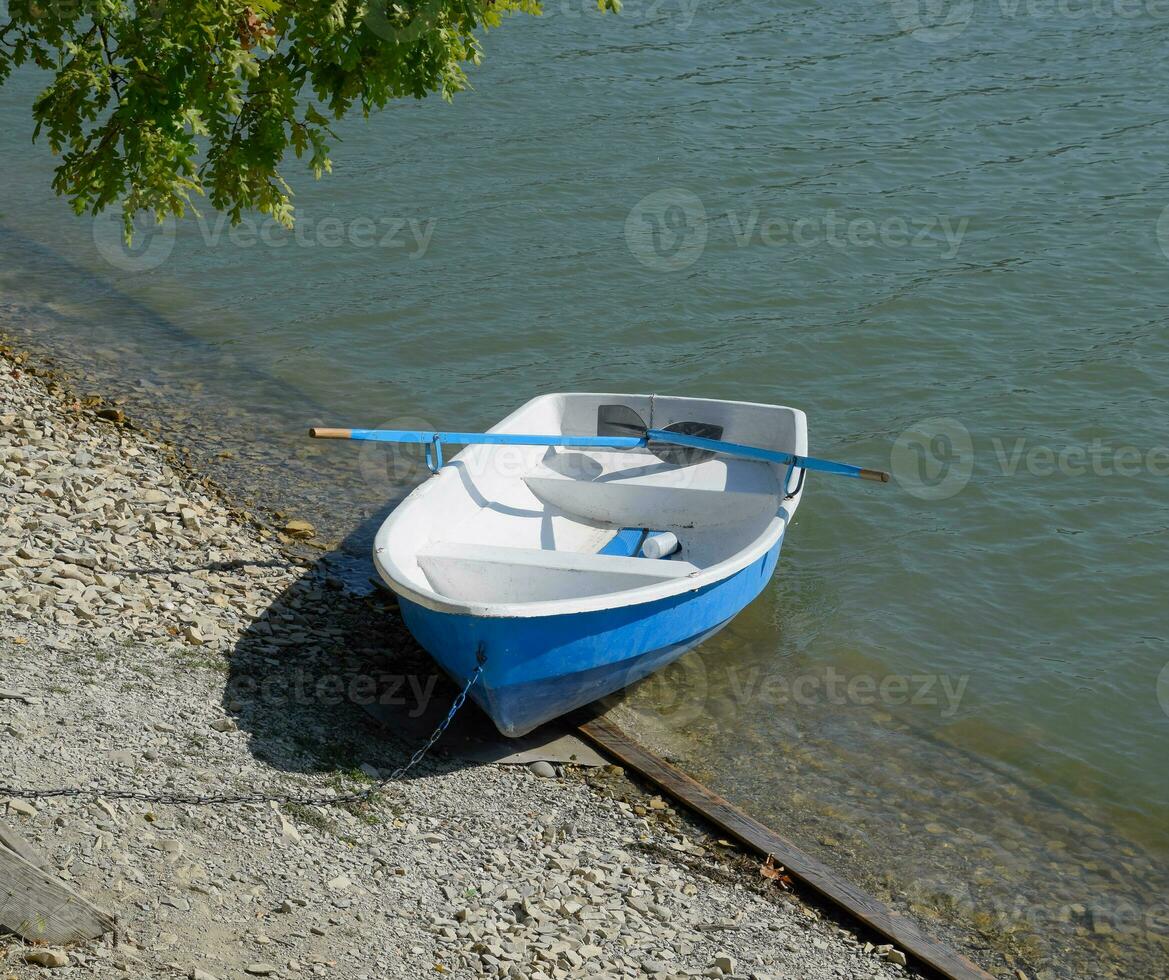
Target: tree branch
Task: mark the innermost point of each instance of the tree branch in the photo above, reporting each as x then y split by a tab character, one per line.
115	76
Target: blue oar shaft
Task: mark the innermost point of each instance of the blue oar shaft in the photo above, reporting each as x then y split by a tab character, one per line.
485	438
766	455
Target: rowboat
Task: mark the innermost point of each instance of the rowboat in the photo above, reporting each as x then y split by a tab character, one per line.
580	566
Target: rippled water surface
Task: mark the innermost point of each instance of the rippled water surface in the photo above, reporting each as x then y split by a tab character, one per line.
947	245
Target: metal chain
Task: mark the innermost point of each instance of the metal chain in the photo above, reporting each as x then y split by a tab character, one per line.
181	799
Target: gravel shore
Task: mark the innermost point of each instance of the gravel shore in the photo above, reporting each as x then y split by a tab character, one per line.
154	638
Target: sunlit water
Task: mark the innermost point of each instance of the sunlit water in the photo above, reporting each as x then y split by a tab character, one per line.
947	246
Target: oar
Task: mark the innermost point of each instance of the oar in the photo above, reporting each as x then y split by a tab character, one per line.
651	436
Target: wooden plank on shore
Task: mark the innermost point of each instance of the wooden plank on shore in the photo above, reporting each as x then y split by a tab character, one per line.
43	908
14	841
802	866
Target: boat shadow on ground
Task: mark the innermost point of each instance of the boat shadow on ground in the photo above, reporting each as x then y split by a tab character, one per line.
328	680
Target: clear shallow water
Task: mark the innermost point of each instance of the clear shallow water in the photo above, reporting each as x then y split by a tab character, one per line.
918	240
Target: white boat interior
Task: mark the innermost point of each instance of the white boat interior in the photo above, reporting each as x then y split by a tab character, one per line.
507	530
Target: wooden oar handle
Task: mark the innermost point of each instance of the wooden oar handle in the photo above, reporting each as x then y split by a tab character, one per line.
319	433
880	476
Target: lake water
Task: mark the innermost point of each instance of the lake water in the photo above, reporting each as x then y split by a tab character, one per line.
941	230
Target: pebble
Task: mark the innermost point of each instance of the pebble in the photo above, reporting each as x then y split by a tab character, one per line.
24	809
543	769
51	959
299	529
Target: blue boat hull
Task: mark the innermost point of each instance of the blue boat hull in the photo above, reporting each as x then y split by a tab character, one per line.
541	667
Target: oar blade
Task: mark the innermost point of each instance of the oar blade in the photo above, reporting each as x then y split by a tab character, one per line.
685	455
619	420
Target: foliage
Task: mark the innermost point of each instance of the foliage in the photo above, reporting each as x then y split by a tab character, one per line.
154	101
